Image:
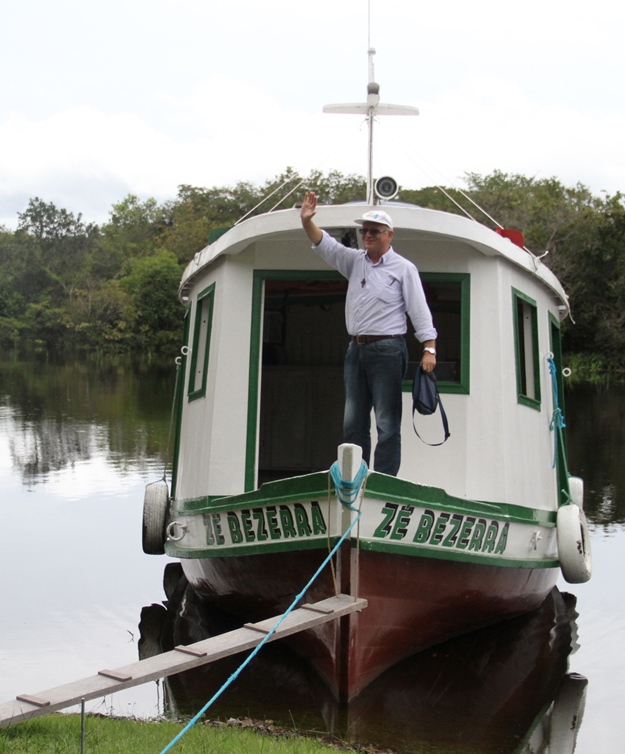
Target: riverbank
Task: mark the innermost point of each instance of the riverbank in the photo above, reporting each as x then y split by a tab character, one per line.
110	735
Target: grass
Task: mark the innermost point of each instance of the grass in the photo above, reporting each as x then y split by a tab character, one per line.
60	734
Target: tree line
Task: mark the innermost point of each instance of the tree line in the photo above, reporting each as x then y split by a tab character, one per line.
73	285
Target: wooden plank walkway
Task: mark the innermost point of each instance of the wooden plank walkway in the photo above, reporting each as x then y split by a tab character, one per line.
27	706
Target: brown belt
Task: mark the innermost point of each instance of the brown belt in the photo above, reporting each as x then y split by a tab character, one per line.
362	339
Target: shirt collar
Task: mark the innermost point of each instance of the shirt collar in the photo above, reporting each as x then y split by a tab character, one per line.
384	256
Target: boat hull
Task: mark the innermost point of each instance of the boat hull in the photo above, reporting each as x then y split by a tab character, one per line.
430	566
504	683
413	603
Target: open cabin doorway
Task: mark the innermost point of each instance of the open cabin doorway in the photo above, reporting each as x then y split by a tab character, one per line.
301	385
300	361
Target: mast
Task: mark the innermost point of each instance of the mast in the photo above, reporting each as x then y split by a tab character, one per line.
373	100
370	109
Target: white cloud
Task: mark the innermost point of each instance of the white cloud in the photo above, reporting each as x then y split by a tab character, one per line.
245	136
85	159
210	96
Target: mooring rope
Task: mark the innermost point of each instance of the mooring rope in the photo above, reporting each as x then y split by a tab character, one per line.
557	426
347	492
342	487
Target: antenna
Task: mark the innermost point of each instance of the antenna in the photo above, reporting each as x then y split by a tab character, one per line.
370	109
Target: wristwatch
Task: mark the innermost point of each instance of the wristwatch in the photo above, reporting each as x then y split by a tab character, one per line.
430	350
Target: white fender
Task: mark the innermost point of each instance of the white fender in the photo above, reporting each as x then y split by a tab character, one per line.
567	713
155	504
573	544
576	488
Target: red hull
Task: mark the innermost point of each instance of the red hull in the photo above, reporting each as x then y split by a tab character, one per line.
481	691
413	603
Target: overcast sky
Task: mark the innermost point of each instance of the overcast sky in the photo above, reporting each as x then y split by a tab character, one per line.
105	98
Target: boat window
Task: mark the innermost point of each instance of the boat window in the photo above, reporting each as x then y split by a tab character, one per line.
448	296
526	344
201	343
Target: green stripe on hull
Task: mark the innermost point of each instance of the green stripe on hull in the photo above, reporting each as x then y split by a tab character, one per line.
408	493
378	486
283	490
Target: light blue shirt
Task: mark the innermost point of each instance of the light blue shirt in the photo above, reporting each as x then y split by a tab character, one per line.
379	295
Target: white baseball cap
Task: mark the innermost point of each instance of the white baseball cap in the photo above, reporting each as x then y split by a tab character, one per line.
376	216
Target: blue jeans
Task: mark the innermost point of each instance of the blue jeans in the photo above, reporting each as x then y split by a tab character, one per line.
373	375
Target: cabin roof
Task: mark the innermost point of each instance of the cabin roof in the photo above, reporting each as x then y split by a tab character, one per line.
424	224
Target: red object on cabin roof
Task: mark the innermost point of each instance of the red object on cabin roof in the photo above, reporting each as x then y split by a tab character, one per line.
513	235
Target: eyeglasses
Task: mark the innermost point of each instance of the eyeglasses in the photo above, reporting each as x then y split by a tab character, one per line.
372	231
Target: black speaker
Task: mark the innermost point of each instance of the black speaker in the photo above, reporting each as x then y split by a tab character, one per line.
386	187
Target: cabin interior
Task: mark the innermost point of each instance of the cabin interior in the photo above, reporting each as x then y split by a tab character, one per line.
304	343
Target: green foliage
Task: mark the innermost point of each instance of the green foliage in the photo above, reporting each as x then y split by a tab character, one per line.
433	197
62	243
151	286
22	275
65	283
546	211
335	188
132	231
595	274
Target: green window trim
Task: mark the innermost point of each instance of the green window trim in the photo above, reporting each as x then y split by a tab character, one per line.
525	319
462	385
200	350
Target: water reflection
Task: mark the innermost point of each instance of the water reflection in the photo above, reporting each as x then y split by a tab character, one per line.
595	417
79	439
64	412
503	689
78	442
45	446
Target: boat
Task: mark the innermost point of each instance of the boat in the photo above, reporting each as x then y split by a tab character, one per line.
469	533
504	688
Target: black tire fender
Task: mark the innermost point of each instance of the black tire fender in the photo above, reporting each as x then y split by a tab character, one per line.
155	508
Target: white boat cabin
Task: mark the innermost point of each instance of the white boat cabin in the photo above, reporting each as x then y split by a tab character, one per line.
261	391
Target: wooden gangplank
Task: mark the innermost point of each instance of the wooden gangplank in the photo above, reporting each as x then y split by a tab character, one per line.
27	706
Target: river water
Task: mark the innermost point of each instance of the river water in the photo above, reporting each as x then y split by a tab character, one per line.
78	443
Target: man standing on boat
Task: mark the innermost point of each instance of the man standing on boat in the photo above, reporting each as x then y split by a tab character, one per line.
382	288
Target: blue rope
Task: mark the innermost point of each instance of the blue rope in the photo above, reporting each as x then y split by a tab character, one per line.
352	491
557	426
557	419
347	492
